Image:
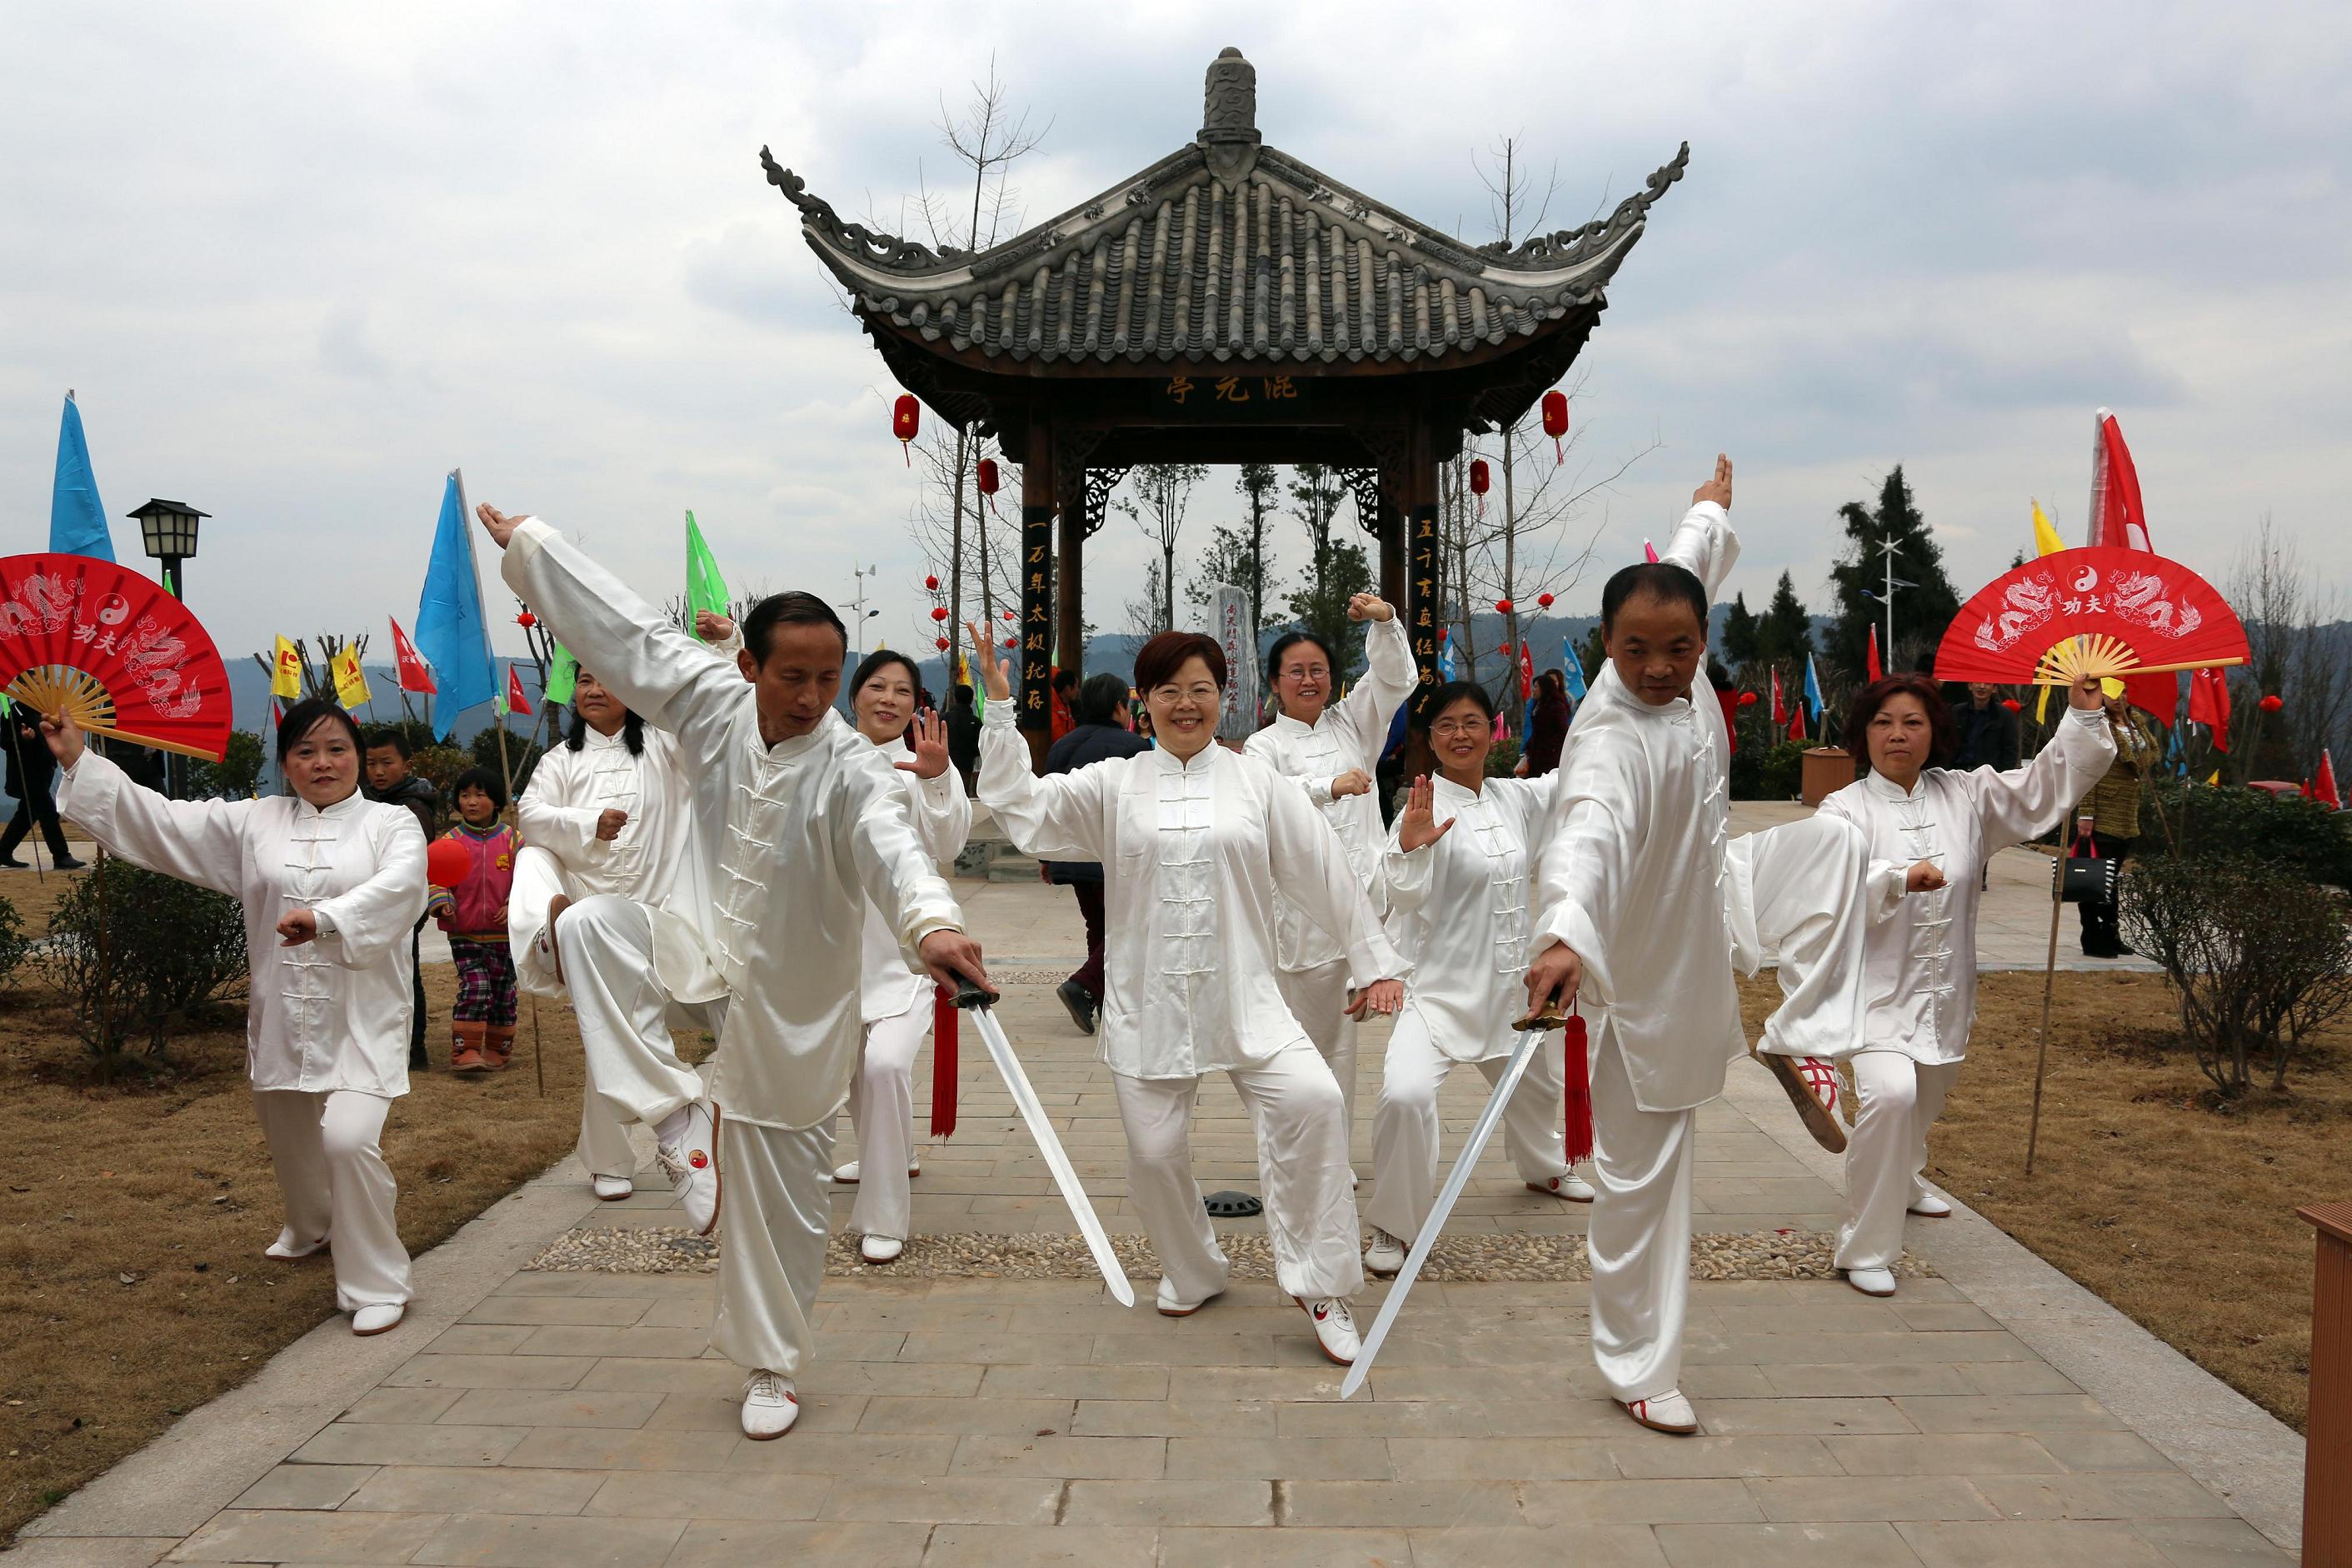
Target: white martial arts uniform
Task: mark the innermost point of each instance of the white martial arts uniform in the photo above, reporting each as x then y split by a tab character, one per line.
1192	852
894	1008
794	838
1920	954
1347	737
648	862
1459	907
326	1030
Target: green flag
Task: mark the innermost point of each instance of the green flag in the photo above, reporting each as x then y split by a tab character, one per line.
705	588
560	672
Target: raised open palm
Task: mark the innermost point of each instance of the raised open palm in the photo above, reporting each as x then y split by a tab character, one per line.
930	743
1419	826
992	678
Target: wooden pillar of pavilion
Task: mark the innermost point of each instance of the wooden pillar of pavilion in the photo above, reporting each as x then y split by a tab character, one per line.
1035	693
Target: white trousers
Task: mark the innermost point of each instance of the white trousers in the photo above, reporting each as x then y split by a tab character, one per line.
1799	889
1641	1240
774	1216
1896	1100
882	1109
1317	998
539	877
1302	1162
328	1150
624	1013
1405	1128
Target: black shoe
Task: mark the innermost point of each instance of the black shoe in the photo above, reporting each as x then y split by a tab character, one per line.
1081	1006
13	864
68	863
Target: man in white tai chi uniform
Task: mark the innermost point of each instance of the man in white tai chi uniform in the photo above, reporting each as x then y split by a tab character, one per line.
797	822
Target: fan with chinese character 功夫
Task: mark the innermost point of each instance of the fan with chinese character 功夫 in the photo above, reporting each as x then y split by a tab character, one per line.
112	649
2115	614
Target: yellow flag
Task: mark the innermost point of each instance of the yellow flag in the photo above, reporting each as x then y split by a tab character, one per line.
350	681
2216	779
285	677
2045	542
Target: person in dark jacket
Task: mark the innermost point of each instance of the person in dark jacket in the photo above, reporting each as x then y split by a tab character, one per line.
390	780
963	735
1097	731
30	769
1547	731
1988	730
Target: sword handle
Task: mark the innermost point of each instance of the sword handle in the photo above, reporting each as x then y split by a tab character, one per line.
968	994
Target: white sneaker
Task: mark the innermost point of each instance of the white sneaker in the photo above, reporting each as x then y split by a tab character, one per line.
611	1189
687	1149
286	1251
881	1249
1871	1281
1568	1184
1335	1327
1385	1255
1927	1206
377	1317
846	1176
1668	1411
1170	1307
770	1407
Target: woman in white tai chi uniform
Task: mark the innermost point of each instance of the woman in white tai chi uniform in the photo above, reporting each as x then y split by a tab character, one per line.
607	812
1330	749
894	998
331	884
1456	881
1193	840
1931	829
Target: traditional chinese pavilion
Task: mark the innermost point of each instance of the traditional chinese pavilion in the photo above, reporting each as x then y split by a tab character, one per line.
1228	304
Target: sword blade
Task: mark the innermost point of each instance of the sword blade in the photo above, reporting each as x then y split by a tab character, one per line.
1066	1176
1457	1179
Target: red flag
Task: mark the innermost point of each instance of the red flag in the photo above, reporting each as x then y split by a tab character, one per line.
2325	790
2209	704
1870	665
1780	709
416	675
515	703
276	714
1526	672
2116	518
1797	722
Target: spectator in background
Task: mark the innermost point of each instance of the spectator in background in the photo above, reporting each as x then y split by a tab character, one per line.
1988	730
2113	810
963	735
390	781
1065	693
1098	730
1726	697
474	914
30	770
1547	731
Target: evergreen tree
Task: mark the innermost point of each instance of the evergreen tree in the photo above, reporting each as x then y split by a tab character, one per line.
1921	611
1319	602
1739	631
1257	484
1785	632
1591	655
1231	557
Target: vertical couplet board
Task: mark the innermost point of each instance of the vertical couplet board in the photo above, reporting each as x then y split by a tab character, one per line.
1036	616
1424	615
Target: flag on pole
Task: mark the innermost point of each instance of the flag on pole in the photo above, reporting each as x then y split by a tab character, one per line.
1446	663
414	674
2325	790
77	517
516	702
1780	708
452	632
2045	536
562	673
705	588
351	680
1572	668
286	671
1649	552
1870	667
1527	671
2118	520
1797	722
1813	688
2209	704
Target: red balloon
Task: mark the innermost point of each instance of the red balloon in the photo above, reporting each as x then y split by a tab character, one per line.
939	612
1748	699
1502	607
1543	601
906	417
931	584
447	863
2271	703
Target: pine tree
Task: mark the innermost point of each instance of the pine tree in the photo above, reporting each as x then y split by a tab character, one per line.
1785	632
1921	611
1319	602
1257	484
1739	631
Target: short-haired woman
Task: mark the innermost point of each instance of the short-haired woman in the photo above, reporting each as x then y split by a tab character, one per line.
1931	829
894	998
331	883
1194	840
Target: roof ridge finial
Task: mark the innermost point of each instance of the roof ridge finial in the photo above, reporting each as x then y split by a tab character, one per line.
1229	131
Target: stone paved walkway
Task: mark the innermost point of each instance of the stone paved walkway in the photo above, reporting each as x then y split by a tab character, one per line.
561	1419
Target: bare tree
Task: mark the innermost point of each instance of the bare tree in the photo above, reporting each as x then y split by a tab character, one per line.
2299	648
1147	617
1315	491
1163	493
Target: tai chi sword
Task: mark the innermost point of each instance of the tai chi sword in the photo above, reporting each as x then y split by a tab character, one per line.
1465	1162
975	1000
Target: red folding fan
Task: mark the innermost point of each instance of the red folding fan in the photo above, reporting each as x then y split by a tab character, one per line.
114	650
2115	614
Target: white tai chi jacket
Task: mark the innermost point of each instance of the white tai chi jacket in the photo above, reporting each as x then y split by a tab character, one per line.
941	815
1192	853
332	1014
1920	955
650	860
795	837
1461	908
1346	738
1630	868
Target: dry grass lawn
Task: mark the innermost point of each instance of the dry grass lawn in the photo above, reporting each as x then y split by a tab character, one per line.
2180	1212
132	1286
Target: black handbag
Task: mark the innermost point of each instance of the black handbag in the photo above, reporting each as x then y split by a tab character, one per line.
2084	876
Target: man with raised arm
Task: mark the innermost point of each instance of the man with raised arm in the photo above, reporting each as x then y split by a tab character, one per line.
796	823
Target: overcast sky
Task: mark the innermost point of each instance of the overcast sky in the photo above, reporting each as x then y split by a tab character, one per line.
300	260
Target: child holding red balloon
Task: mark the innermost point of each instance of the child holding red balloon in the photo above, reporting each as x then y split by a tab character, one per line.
471	867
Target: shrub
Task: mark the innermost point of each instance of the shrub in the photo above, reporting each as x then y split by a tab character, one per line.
236	776
1782	772
439	766
2259	956
14	944
522	755
168	945
2292	834
1503	758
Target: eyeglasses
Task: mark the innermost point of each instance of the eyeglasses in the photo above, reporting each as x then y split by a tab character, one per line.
1446	729
1307	672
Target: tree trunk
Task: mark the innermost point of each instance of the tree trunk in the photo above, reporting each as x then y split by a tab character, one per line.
1513	702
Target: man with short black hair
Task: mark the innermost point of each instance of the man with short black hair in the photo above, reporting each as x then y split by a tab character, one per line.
390	780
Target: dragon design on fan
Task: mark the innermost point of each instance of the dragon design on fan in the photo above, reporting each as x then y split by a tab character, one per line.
2030	602
2137	599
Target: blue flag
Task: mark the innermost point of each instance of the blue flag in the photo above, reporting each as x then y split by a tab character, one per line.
76	518
1572	668
451	631
1813	689
1446	663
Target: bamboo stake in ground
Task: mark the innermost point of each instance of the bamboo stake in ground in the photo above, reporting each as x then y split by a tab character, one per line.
538	1064
2049	982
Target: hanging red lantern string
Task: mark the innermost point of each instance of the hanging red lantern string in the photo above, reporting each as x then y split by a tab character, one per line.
526	620
939	612
1555	423
906	419
944	643
931	584
988	480
2271	703
1748	699
1478	482
1543	601
1502	607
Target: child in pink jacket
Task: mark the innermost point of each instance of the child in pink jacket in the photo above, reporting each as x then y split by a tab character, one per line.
474	913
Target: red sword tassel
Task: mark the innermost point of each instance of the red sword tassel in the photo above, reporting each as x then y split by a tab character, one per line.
943	1062
1579	1074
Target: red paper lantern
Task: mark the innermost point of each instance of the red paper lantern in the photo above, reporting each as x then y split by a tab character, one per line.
1543	601
939	612
988	476
931	584
1748	699
2012	704
943	644
1478	478
526	620
1502	607
1554	422
906	419
2271	703
1012	642
1006	613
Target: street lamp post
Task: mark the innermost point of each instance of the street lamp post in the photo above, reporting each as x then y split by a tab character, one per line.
168	529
